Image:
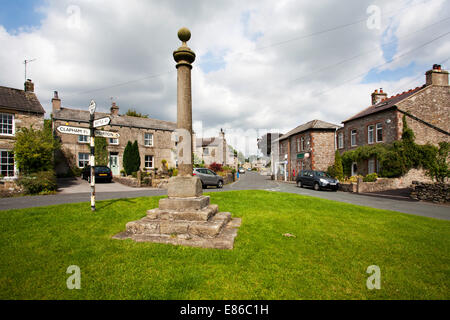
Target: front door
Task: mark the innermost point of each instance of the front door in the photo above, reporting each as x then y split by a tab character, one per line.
114	163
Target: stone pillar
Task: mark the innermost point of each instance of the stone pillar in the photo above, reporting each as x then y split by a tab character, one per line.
184	57
184	184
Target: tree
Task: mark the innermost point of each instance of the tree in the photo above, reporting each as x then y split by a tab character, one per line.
134	113
127	158
136	157
101	152
34	149
439	168
338	168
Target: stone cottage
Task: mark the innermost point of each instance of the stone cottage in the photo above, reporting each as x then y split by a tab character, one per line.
18	109
212	149
427	111
153	137
310	146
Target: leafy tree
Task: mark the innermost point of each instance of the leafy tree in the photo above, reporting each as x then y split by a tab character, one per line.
439	168
34	149
136	157
338	168
101	151
127	158
134	113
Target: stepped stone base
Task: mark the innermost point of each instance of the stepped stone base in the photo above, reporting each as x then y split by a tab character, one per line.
185	221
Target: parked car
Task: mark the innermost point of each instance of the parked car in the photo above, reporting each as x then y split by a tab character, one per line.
241	170
102	173
208	177
316	179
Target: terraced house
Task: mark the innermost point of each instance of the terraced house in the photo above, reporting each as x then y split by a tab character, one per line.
427	111
18	109
153	137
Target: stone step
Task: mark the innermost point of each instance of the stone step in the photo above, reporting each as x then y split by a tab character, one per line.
184	204
191	215
206	229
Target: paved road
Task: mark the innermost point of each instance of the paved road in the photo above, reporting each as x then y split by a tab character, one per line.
248	181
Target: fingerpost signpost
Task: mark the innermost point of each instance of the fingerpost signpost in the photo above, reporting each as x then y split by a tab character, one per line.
92	106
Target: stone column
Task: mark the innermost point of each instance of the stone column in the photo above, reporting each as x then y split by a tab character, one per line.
184	185
184	57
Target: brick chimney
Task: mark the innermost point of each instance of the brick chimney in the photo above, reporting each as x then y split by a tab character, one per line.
56	102
114	109
378	96
29	86
436	76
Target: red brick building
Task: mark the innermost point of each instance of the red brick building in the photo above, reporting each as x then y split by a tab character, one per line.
309	146
427	111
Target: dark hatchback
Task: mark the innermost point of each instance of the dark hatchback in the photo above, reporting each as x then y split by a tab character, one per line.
316	179
102	173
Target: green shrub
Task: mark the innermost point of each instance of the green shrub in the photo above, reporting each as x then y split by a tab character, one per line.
134	174
38	183
338	168
371	177
127	158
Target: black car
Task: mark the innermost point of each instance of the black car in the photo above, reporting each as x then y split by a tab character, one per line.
102	173
317	179
208	177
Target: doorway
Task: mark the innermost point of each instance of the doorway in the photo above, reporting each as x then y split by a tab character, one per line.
114	163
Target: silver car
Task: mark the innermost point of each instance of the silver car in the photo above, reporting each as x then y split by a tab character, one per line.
208	177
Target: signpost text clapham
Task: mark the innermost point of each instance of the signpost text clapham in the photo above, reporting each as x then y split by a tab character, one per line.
92	133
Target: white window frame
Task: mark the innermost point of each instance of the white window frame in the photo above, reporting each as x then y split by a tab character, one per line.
207	151
13	125
78	162
148	142
113	143
302	144
308	143
353	135
370	133
82	141
14	162
379	126
298	145
340	140
152	161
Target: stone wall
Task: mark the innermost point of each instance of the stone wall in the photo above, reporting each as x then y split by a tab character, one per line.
21	120
383	184
436	192
323	149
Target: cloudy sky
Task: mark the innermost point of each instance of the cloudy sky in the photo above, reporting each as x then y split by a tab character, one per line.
261	65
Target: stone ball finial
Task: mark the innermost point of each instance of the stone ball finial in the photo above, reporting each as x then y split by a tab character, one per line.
184	34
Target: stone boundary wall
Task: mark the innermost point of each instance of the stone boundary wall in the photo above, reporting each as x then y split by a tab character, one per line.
229	178
383	184
128	181
436	192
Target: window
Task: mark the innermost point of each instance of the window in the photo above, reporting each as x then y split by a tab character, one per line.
302	144
113	141
307	143
83	160
6	163
6	124
340	140
149	162
379	132
298	145
371	166
83	139
148	140
370	134
205	151
353	138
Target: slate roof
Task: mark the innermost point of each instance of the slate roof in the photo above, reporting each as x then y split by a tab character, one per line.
20	100
311	125
385	104
76	115
205	142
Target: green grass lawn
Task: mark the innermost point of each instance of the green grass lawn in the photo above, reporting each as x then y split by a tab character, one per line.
334	244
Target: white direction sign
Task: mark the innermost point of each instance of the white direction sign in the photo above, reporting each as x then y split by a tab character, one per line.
74	130
106	134
101	122
92	106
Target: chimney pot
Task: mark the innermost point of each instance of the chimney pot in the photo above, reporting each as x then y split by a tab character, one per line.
56	102
29	86
377	97
436	76
114	109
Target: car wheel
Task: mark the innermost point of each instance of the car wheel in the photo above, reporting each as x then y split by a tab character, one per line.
220	184
299	184
316	186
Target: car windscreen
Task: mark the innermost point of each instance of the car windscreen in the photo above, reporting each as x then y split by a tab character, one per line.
322	174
